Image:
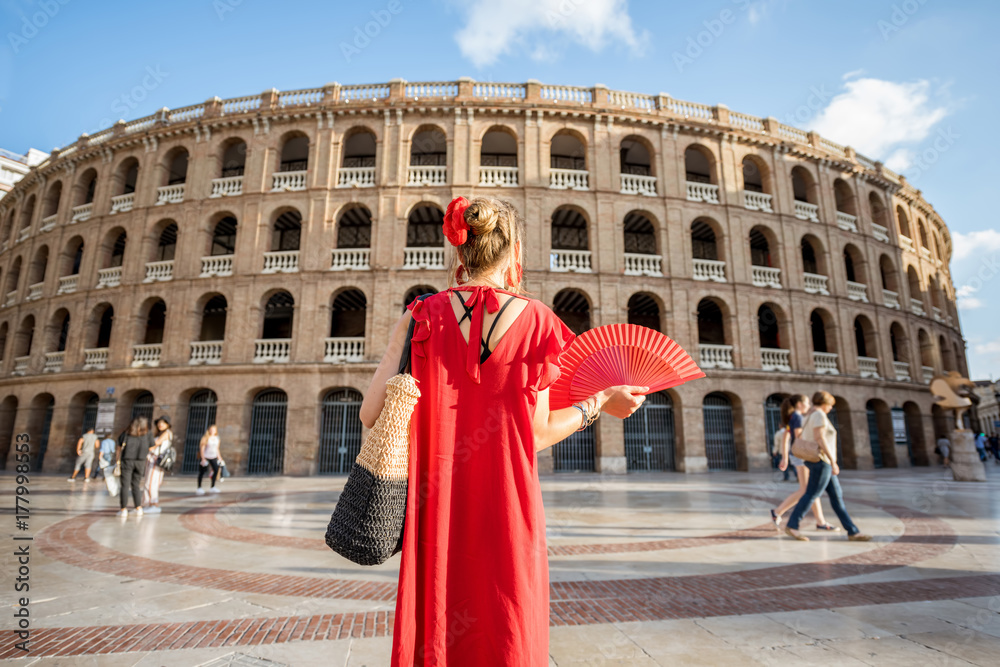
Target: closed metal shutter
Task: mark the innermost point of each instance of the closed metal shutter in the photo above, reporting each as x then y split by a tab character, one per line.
266	454
340	432
649	435
720	440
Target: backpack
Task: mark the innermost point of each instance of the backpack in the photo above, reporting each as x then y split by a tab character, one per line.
167	459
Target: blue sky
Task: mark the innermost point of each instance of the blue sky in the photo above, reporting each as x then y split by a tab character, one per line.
910	82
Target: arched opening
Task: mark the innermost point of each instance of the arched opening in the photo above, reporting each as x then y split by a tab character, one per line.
633	157
156	321
899	343
649	435
904	222
58	331
86	188
922	230
720	436
819	328
916	291
804	190
498	159
840	417
429	148
294	154
266	450
114	248
864	336
72	257
340	431
354	228
213	319
566	151
37	270
573	308
878	212
644	311
347	314
810	260
27	213
698	165
234	159
424	227
286	231
13	277
223	237
40	422
712	348
279	312
753	175
760	248
844	198
703	242
50	207
142	406
166	245
947	357
913	418
854	264
570	243
3	342
8	414
880	434
772	421
926	354
414	292
890	282
767	325
105	318
200	415
126	177
177	167
25	338
641	256
359	150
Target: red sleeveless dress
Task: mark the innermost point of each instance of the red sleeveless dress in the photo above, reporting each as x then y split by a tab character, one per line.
474	578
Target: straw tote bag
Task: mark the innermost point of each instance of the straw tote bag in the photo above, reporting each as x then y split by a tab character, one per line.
805	448
367	523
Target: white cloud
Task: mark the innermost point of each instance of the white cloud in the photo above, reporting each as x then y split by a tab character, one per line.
969	303
496	27
966	245
992	347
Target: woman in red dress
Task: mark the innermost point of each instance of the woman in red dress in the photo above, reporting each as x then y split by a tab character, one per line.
474	581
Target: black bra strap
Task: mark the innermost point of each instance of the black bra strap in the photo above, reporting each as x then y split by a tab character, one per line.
496	319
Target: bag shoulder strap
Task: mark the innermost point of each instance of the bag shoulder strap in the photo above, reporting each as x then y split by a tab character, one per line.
404	359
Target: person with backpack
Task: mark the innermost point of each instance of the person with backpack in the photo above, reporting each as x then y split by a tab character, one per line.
159	461
106	460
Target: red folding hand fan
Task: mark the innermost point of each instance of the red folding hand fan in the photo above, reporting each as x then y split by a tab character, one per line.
618	354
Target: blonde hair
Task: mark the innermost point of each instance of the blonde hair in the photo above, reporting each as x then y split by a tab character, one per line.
823	398
494	239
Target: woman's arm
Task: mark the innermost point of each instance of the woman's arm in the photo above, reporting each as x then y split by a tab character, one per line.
374	399
552	426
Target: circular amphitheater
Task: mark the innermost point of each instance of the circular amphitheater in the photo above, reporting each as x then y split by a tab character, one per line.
242	261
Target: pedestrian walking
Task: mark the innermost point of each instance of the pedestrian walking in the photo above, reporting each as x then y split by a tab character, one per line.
823	473
209	455
944	450
981	446
163	443
107	462
994	443
792	410
132	456
86	449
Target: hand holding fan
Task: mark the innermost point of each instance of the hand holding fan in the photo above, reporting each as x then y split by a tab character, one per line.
618	354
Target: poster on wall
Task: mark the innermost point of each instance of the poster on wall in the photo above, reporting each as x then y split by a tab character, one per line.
899	425
105	416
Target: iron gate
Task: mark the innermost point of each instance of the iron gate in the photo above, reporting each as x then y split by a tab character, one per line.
649	435
43	438
143	407
266	454
873	438
772	422
575	453
340	432
201	415
909	427
832	415
89	414
720	440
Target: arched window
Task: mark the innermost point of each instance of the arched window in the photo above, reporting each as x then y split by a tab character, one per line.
498	159
347	327
359	150
73	257
844	197
703	243
116	256
904	222
775	355
52	198
809	263
142	406
414	292
224	237
803	189
429	148
698	165
27	213
25	337
156	321
567	152
867	347
899	343
633	157
818	328
767	325
86	188
61	329
294	154
234	158
572	307
640	235
570	247
13	276
278	316
127	177
166	246
105	321
711	328
39	267
644	311
760	249
177	167
213	319
756	185
354	228
287	231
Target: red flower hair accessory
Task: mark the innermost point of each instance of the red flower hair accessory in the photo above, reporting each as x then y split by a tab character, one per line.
456	229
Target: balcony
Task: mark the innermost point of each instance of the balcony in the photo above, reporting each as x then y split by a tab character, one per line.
890	299
159	271
146	355
23	235
281	261
868	367
715	356
20	365
356	177
344	350
772	359
81	213
638	264
703	192
806	211
569	179
288	181
710	269
935	311
423	258
122	203
216	265
35	292
880	233
576	261
498	177
170	194
634	184
857	291
67	284
757	201
927	373
53	362
110	277
417	175
925	253
847	222
228	186
825	363
902	370
815	284
906	243
11	298
48	224
272	351
95	359
766	276
917	307
350	259
205	352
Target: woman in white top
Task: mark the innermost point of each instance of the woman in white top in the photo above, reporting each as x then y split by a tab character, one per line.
823	473
209	455
793	409
154	473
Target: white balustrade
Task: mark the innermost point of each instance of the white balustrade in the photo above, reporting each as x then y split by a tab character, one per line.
880	233
773	359
757	201
20	365
891	299
577	261
346	259
917	307
902	370
826	363
48	224
847	222
288	181
906	243
170	194
122	203
35	292
11	298
95	359
868	367
427	175
228	186
272	350
710	269
423	258
949	321
281	261
703	192
81	213
110	277
634	184
341	350
927	373
23	235
146	355
815	283
935	312
569	179
498	177
857	291
925	253
715	356
766	276
638	264
205	352
159	271
216	265
356	177
53	362
806	211
67	284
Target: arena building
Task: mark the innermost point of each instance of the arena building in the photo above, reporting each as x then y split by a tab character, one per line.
241	262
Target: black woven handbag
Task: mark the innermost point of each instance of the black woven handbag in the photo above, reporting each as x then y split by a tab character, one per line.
367	523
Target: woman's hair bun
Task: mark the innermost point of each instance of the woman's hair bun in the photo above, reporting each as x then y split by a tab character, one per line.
482	216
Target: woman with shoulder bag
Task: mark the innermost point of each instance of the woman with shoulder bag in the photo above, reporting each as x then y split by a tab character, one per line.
823	472
792	410
154	471
132	457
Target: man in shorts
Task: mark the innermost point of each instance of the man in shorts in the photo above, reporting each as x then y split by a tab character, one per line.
86	448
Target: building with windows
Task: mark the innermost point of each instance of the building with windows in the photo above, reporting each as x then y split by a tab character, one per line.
14	167
242	261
